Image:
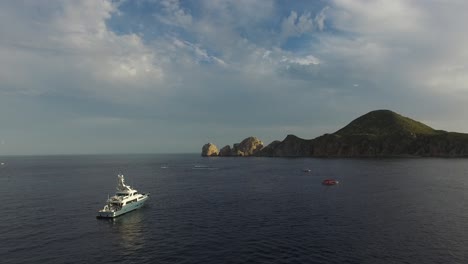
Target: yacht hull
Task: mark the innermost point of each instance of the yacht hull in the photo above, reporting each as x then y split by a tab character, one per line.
125	209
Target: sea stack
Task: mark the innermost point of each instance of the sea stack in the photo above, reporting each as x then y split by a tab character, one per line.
248	147
209	150
226	151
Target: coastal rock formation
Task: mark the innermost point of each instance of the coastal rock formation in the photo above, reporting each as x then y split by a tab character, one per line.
380	133
269	150
291	146
226	151
384	133
235	150
209	150
444	144
248	146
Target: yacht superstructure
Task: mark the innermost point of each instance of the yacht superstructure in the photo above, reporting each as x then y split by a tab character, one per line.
126	199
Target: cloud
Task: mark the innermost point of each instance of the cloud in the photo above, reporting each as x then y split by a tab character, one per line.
421	42
72	42
173	14
320	19
212	65
377	16
199	54
296	25
307	60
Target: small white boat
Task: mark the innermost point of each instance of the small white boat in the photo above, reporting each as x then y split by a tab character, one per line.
125	200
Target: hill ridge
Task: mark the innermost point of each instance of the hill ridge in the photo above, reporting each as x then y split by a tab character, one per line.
385	123
379	133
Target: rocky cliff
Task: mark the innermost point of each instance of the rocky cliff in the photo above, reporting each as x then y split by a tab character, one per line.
247	147
226	151
444	144
291	146
386	133
379	133
209	150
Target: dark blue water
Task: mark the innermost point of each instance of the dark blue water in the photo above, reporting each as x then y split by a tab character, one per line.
235	210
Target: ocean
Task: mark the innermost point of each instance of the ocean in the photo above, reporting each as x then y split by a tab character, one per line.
235	210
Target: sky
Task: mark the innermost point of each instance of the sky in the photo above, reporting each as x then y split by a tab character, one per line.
167	76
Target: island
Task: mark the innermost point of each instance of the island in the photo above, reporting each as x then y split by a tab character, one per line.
379	133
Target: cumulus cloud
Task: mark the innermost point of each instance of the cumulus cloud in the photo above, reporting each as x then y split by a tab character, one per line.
422	42
73	41
342	57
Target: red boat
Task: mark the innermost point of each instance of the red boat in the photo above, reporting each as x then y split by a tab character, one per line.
330	182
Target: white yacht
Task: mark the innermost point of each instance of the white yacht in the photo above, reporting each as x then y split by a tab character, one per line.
125	200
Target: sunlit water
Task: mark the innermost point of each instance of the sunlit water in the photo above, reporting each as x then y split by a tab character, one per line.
235	210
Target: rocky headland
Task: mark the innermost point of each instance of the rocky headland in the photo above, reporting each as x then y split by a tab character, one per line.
209	150
380	133
247	147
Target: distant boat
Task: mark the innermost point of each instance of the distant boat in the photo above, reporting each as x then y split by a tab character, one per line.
330	182
203	167
200	166
126	199
306	170
2	163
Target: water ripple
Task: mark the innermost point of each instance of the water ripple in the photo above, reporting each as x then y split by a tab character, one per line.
236	211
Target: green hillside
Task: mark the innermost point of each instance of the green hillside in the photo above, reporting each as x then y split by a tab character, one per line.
385	123
380	133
